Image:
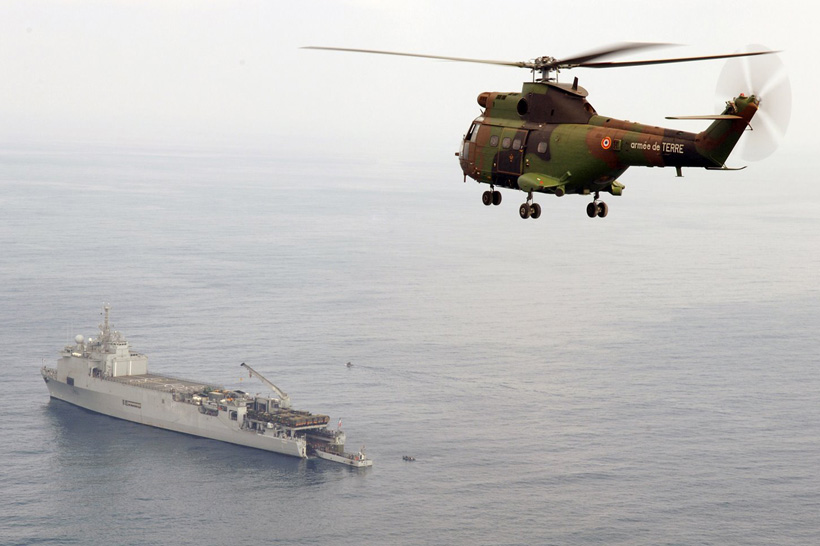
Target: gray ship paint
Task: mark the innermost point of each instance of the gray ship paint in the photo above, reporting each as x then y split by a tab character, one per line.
104	375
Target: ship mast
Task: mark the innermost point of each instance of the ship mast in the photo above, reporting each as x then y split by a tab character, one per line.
105	329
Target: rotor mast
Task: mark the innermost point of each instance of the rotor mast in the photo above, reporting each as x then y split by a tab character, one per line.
284	399
544	65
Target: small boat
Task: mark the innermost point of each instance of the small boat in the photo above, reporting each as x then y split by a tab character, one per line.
359	460
349	364
408	458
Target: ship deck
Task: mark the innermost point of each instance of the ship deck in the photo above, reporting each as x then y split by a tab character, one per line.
162	383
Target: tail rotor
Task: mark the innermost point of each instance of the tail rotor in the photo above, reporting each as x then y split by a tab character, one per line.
765	77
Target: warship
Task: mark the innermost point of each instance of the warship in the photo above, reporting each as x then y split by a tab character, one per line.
104	375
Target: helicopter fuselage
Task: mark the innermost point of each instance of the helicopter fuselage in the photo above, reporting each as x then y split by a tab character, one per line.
549	139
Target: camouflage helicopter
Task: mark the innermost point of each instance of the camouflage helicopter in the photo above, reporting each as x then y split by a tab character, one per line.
549	139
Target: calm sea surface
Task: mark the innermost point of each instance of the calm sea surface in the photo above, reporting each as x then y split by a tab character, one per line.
650	378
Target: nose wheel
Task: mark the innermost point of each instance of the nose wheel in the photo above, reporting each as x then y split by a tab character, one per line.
491	197
529	209
597	208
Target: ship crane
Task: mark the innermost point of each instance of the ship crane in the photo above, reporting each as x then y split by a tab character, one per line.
284	399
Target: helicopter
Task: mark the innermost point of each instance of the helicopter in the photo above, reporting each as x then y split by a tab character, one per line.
549	139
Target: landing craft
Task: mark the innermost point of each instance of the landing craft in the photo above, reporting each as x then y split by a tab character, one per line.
549	139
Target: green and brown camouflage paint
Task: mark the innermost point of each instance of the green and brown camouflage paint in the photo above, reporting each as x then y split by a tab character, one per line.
549	139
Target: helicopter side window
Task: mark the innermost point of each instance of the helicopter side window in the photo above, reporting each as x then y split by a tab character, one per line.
494	141
516	145
506	143
475	133
542	147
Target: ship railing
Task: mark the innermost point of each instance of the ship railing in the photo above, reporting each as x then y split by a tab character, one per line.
141	384
49	372
162	383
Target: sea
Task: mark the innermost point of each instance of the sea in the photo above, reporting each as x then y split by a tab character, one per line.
648	378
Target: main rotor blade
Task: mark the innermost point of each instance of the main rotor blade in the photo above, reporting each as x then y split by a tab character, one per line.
550	63
439	57
608	50
618	64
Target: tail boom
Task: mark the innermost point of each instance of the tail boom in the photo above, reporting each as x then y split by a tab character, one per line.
641	145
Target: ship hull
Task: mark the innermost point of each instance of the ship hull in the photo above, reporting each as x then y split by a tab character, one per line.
159	409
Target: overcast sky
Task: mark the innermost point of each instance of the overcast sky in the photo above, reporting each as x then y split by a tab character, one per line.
231	74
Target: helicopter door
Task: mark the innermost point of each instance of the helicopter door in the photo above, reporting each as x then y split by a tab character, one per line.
512	150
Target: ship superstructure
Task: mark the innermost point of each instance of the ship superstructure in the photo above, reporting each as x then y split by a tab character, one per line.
104	375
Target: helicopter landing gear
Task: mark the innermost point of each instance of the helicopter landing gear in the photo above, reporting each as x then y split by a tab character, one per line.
491	197
597	208
529	209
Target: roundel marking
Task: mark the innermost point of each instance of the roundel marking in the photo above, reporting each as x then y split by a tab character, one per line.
606	142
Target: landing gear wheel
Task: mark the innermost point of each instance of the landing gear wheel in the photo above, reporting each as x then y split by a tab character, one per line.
487	198
603	210
535	210
496	198
524	210
592	210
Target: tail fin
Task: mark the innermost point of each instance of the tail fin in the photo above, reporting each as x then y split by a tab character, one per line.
720	138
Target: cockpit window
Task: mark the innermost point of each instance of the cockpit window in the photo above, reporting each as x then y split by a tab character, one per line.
471	134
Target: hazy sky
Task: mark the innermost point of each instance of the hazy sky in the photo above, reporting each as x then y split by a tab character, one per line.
231	74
